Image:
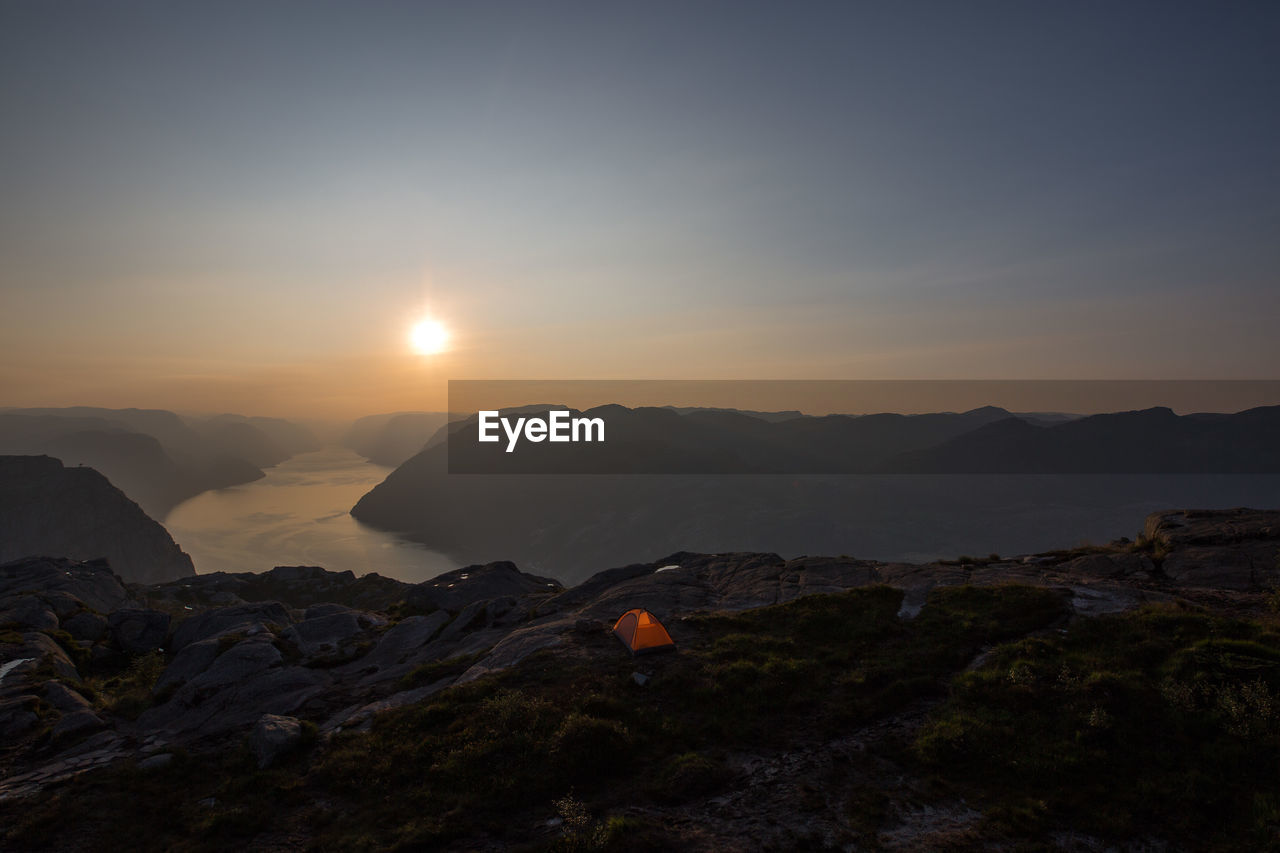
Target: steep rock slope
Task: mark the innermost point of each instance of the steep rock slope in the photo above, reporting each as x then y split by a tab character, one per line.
49	509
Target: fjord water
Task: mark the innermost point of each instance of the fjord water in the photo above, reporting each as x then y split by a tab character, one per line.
298	515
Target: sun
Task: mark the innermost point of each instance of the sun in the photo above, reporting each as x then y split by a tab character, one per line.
428	337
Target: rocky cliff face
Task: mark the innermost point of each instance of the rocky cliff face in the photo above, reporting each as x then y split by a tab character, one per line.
49	509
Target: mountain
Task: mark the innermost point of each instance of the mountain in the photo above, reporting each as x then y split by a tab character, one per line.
152	455
564	524
649	440
390	439
47	508
1150	441
262	441
789	414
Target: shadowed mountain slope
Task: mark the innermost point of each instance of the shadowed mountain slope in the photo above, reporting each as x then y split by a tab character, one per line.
48	509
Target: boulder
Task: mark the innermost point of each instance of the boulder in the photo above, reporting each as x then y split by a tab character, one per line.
327	609
238	663
455	590
324	633
471	618
188	663
228	620
212	704
273	736
77	723
86	625
28	612
64	698
156	762
137	632
507	610
62	603
44	649
517	646
16	717
402	639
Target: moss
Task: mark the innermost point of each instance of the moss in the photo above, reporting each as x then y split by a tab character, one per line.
403	609
1159	718
687	775
130	692
433	671
81	657
226	641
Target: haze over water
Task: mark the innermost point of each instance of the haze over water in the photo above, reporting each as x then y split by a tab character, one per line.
298	515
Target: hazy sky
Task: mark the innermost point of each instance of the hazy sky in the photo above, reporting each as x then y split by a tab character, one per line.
244	206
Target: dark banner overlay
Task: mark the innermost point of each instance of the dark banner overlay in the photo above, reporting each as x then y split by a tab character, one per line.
862	427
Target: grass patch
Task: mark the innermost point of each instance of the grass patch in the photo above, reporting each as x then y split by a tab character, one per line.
128	693
1162	721
438	669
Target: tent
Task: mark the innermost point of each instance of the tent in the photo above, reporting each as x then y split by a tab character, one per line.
642	633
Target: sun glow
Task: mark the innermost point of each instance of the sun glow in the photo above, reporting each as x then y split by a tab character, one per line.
428	337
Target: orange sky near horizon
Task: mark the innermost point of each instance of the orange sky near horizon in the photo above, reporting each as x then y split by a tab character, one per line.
244	207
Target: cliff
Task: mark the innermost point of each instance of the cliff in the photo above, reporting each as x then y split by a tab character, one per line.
49	509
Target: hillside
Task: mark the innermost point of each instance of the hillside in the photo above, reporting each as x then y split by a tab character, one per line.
48	508
812	703
262	441
153	456
1151	441
390	439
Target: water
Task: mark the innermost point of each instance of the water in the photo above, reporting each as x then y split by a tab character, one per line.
298	516
571	528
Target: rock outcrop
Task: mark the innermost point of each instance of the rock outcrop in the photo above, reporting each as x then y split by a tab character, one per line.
267	656
1228	549
273	736
49	509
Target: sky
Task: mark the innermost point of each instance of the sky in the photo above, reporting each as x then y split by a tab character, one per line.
245	206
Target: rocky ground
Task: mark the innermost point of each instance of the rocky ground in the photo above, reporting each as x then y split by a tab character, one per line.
97	673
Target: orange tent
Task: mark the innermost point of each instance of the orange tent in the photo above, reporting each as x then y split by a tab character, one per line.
641	631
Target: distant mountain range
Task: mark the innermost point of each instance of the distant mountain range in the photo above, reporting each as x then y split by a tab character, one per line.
708	441
390	439
987	440
549	510
1151	441
157	458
